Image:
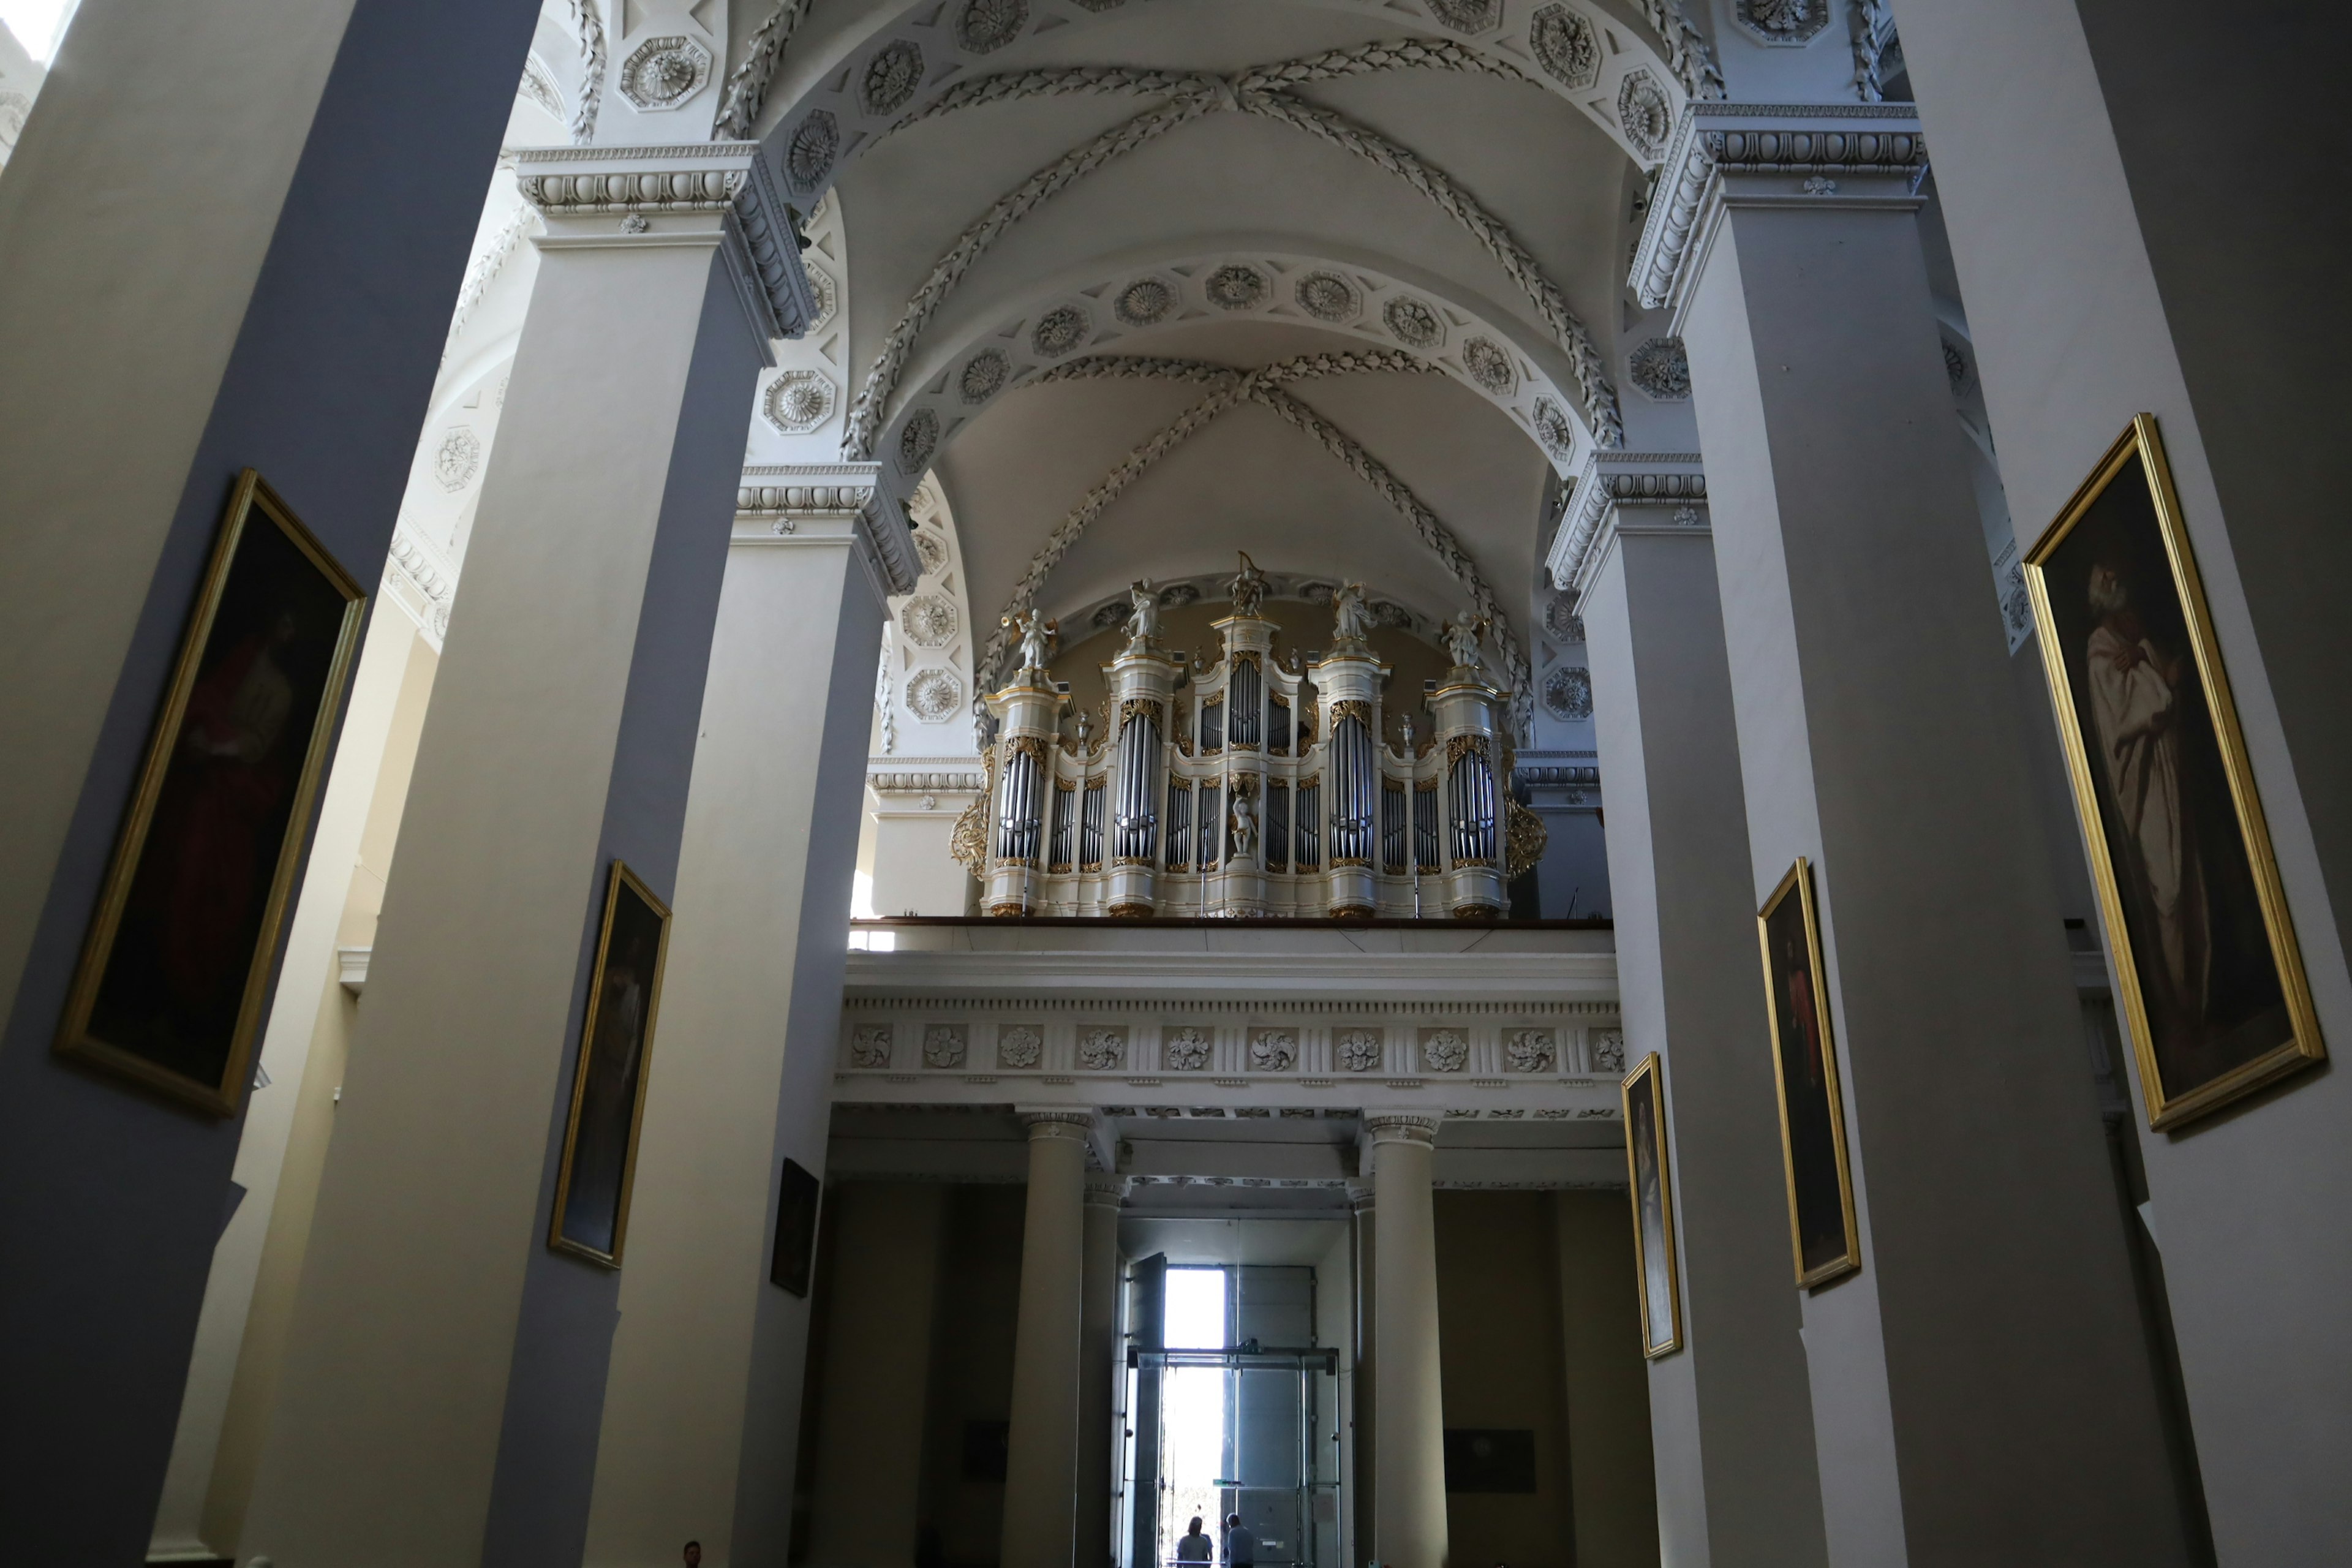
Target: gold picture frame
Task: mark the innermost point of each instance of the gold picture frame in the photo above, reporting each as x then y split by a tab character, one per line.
173	980
1643	1095
2209	977
599	1165
1823	1237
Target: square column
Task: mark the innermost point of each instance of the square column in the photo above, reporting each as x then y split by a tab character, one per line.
227	238
446	1368
1730	1412
1980	1390
702	1408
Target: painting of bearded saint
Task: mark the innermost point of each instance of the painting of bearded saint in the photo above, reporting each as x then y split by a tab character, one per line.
176	968
2211	985
1812	1116
600	1147
1644	1092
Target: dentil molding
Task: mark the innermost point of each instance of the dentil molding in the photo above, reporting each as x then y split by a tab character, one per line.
1775	154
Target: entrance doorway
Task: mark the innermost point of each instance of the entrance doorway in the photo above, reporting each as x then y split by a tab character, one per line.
1237	1414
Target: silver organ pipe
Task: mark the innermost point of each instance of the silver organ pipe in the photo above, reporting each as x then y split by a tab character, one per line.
1057	852
1472	779
1392	828
1245	701
1179	824
1090	827
1138	782
1024	800
1354	779
1424	827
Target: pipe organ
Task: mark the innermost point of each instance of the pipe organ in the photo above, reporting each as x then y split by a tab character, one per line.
1250	789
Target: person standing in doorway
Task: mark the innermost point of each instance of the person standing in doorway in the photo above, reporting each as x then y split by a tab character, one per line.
1194	1545
1241	1544
693	1554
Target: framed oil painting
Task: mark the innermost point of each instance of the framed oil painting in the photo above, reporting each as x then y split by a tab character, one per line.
1821	1229
795	1255
608	1088
1644	1092
175	976
2209	978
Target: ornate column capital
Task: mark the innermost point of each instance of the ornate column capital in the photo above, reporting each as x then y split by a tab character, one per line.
1106	1192
1360	1197
815	503
688	193
1768	154
1399	1127
1672	485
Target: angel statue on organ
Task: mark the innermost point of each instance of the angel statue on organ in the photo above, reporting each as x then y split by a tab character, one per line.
1143	622
1350	622
1244	819
1037	635
1248	587
1462	635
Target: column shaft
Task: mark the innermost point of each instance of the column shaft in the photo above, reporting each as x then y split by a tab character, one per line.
1098	1335
1363	1404
446	1368
875	1379
1041	1467
702	1406
1410	1440
1954	1417
236	255
1730	1412
2118	289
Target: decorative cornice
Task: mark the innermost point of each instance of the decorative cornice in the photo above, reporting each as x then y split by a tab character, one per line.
1611	480
784	496
900	781
732	179
1786	154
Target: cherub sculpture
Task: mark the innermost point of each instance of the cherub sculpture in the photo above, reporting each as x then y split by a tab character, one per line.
1462	635
1349	622
1143	622
1038	637
1248	587
1244	830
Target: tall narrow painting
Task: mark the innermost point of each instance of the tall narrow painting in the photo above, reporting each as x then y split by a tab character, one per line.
608	1087
2209	978
175	969
1644	1095
1822	1228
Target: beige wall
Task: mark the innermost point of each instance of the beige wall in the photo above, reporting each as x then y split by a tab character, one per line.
1500	1346
971	1365
1615	1495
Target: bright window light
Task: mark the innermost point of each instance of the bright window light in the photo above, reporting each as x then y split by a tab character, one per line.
1192	1405
38	24
861	895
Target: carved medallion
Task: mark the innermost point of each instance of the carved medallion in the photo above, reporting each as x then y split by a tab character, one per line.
1561	619
891	77
928	621
1785	24
827	296
984	376
1444	1050
1412	322
1568	693
1328	297
809	157
1608	1051
1644	112
944	1046
662	73
1274	1051
1102	1049
1236	287
798	401
931	548
1661	369
1359	1049
869	1046
1489	366
1185	1050
458	459
1565	47
1553	429
917	439
987	26
1059	331
1019	1046
1468	15
1144	302
934	695
1528	1050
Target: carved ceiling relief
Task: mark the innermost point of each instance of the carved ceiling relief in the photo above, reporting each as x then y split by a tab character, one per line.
929	651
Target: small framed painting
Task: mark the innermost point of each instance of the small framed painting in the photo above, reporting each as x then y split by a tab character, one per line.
608	1087
1644	1092
1821	1229
174	976
794	1259
2209	978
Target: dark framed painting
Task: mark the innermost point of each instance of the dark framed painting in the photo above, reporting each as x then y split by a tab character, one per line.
796	1205
1644	1093
1490	1459
174	981
608	1086
2210	980
1821	1229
